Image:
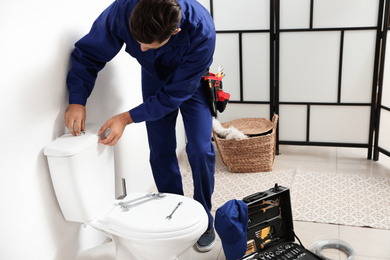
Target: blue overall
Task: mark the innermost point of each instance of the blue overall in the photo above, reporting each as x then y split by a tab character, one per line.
170	81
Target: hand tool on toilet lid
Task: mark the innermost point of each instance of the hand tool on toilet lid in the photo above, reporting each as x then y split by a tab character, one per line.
151	194
155	196
170	215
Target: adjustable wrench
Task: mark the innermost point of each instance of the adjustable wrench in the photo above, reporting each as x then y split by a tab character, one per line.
148	197
151	194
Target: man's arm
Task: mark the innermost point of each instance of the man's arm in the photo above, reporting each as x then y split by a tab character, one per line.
90	55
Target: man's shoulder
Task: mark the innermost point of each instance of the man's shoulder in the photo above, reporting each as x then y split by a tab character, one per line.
128	3
194	8
195	14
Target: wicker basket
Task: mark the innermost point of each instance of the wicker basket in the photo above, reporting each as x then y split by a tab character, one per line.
254	154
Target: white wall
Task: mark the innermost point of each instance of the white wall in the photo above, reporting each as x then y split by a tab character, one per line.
36	40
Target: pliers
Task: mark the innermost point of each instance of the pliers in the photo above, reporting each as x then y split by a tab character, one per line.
271	203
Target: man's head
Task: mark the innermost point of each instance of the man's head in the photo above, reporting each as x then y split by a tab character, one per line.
152	22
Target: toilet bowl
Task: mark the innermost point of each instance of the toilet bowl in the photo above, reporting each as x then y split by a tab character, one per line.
82	173
144	232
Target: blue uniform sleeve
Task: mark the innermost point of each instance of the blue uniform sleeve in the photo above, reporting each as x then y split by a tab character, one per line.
182	84
90	55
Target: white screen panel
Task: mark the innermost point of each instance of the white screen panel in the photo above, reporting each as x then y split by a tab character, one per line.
343	124
241	15
309	66
205	3
386	78
358	66
292	122
294	14
235	111
386	90
384	130
256	66
227	55
345	13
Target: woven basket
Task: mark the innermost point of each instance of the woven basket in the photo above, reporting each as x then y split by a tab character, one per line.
254	154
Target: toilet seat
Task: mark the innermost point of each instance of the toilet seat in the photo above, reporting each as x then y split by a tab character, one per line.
148	220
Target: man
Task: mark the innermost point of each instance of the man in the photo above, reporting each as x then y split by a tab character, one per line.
174	42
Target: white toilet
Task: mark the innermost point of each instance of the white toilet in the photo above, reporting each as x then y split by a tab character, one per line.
82	173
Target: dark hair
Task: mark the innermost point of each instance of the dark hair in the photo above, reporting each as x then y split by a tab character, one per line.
154	20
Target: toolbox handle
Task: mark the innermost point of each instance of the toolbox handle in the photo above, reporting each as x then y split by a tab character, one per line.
254	197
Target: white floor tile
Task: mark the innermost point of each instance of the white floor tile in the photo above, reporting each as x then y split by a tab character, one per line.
355	168
309	233
309	166
213	254
352	155
358	257
367	242
308	153
381	169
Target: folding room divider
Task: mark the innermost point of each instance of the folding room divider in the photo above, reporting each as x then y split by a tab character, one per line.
382	125
319	64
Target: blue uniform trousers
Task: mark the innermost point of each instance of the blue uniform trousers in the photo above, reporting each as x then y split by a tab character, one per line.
200	150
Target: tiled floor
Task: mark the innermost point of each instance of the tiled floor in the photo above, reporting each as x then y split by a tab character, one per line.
368	243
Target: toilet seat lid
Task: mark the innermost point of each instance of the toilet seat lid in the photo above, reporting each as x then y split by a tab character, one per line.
148	220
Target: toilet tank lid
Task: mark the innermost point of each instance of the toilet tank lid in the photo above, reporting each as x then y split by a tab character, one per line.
69	145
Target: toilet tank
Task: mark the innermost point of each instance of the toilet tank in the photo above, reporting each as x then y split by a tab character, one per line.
83	175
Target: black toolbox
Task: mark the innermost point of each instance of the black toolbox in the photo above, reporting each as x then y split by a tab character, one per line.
270	230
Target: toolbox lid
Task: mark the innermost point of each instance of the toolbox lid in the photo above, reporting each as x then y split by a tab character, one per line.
270	220
149	220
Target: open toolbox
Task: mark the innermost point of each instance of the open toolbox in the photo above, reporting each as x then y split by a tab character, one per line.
270	233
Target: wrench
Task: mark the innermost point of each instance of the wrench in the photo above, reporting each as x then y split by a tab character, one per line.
151	194
153	197
170	216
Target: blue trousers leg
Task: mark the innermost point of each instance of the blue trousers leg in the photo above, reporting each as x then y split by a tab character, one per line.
163	159
162	142
200	150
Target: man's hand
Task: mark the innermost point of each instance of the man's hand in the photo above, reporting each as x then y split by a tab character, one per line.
75	116
117	125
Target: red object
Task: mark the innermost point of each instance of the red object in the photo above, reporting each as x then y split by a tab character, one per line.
222	96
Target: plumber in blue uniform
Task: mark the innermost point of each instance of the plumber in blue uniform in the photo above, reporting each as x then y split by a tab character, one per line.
174	42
